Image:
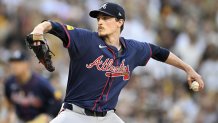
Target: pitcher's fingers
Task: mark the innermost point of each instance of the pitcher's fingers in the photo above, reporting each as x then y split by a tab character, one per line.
201	83
34	43
38	43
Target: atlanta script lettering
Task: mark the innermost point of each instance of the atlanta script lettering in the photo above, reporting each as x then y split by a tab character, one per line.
111	70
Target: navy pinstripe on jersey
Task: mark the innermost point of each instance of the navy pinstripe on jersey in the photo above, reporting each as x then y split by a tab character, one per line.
97	71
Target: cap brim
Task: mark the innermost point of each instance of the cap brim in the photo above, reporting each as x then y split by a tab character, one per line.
95	13
17	60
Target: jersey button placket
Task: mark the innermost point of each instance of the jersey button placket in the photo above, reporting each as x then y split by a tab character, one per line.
104	97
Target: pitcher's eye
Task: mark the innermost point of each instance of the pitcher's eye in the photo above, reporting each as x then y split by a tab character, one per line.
106	17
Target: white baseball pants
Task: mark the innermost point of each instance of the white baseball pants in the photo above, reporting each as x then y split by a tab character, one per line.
78	116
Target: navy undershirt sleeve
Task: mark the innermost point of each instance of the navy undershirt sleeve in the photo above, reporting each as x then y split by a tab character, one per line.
58	31
159	53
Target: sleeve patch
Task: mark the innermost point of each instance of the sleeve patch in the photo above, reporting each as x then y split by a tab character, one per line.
70	27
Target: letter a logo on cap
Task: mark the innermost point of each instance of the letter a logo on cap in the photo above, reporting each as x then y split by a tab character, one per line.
119	14
104	6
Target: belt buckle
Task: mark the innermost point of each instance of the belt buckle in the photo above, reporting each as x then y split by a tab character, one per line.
94	113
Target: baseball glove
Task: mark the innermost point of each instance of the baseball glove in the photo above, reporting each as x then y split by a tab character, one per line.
42	51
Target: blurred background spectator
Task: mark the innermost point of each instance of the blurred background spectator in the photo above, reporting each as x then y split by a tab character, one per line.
28	94
189	28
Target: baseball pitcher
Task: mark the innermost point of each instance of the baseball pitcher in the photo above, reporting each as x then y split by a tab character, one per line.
101	64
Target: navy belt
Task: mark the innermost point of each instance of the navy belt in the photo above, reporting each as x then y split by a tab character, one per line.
86	111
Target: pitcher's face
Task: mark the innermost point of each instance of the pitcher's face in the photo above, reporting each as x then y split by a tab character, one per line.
107	25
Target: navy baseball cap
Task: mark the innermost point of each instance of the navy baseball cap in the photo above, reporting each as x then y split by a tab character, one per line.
110	9
18	56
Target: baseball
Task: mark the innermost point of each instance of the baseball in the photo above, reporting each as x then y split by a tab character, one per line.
195	86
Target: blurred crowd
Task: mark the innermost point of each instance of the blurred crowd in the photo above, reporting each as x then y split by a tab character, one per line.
157	93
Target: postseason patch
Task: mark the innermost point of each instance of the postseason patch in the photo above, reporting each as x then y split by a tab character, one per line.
70	27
